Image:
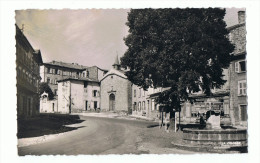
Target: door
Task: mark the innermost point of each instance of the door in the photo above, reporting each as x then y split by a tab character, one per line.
53	107
111	102
86	105
95	105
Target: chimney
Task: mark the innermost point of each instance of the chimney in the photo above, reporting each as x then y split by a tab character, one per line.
241	17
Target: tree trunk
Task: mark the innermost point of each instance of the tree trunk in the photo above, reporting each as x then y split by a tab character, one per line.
172	121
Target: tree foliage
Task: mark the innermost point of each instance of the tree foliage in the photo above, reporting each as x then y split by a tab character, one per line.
44	87
184	49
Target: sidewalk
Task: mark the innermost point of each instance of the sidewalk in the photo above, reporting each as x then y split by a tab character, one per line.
114	115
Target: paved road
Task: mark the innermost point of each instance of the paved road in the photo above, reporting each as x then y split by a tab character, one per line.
103	136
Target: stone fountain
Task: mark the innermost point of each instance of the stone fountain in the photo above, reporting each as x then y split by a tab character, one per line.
216	137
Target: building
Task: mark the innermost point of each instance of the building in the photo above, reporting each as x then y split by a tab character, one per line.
53	71
28	61
60	72
116	91
238	72
143	101
78	95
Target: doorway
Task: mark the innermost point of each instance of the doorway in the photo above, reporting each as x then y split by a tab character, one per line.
111	102
86	105
95	105
53	107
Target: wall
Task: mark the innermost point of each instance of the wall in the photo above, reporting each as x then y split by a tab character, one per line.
77	98
238	37
48	106
28	77
63	96
89	96
63	73
139	98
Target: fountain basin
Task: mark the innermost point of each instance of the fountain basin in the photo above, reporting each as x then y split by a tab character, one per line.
216	137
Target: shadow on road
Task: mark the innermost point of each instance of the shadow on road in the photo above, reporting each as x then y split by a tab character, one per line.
46	124
152	126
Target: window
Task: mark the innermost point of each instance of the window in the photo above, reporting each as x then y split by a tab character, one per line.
134	108
56	71
243	112
95	93
85	84
55	81
49	70
48	80
111	76
241	88
55	92
87	73
240	66
135	93
140	92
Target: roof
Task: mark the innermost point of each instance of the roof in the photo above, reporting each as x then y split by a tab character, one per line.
235	26
22	39
217	94
67	65
38	54
113	71
99	68
158	93
78	79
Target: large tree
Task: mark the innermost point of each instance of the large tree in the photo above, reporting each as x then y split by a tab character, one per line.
183	49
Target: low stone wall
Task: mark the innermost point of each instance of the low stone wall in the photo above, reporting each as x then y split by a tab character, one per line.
221	137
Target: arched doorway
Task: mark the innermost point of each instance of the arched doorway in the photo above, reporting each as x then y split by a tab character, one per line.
111	102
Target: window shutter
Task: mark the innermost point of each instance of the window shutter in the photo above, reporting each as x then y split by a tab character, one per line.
244	88
238	88
236	66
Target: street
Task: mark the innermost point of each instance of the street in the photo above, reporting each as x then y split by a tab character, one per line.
96	135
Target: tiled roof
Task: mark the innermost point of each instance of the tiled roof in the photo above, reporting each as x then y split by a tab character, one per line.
116	72
67	65
78	79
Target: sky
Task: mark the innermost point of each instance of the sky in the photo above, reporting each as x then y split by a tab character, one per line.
87	36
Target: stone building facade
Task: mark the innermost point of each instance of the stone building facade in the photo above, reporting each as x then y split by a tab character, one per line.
55	71
28	61
143	101
78	95
238	72
116	91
